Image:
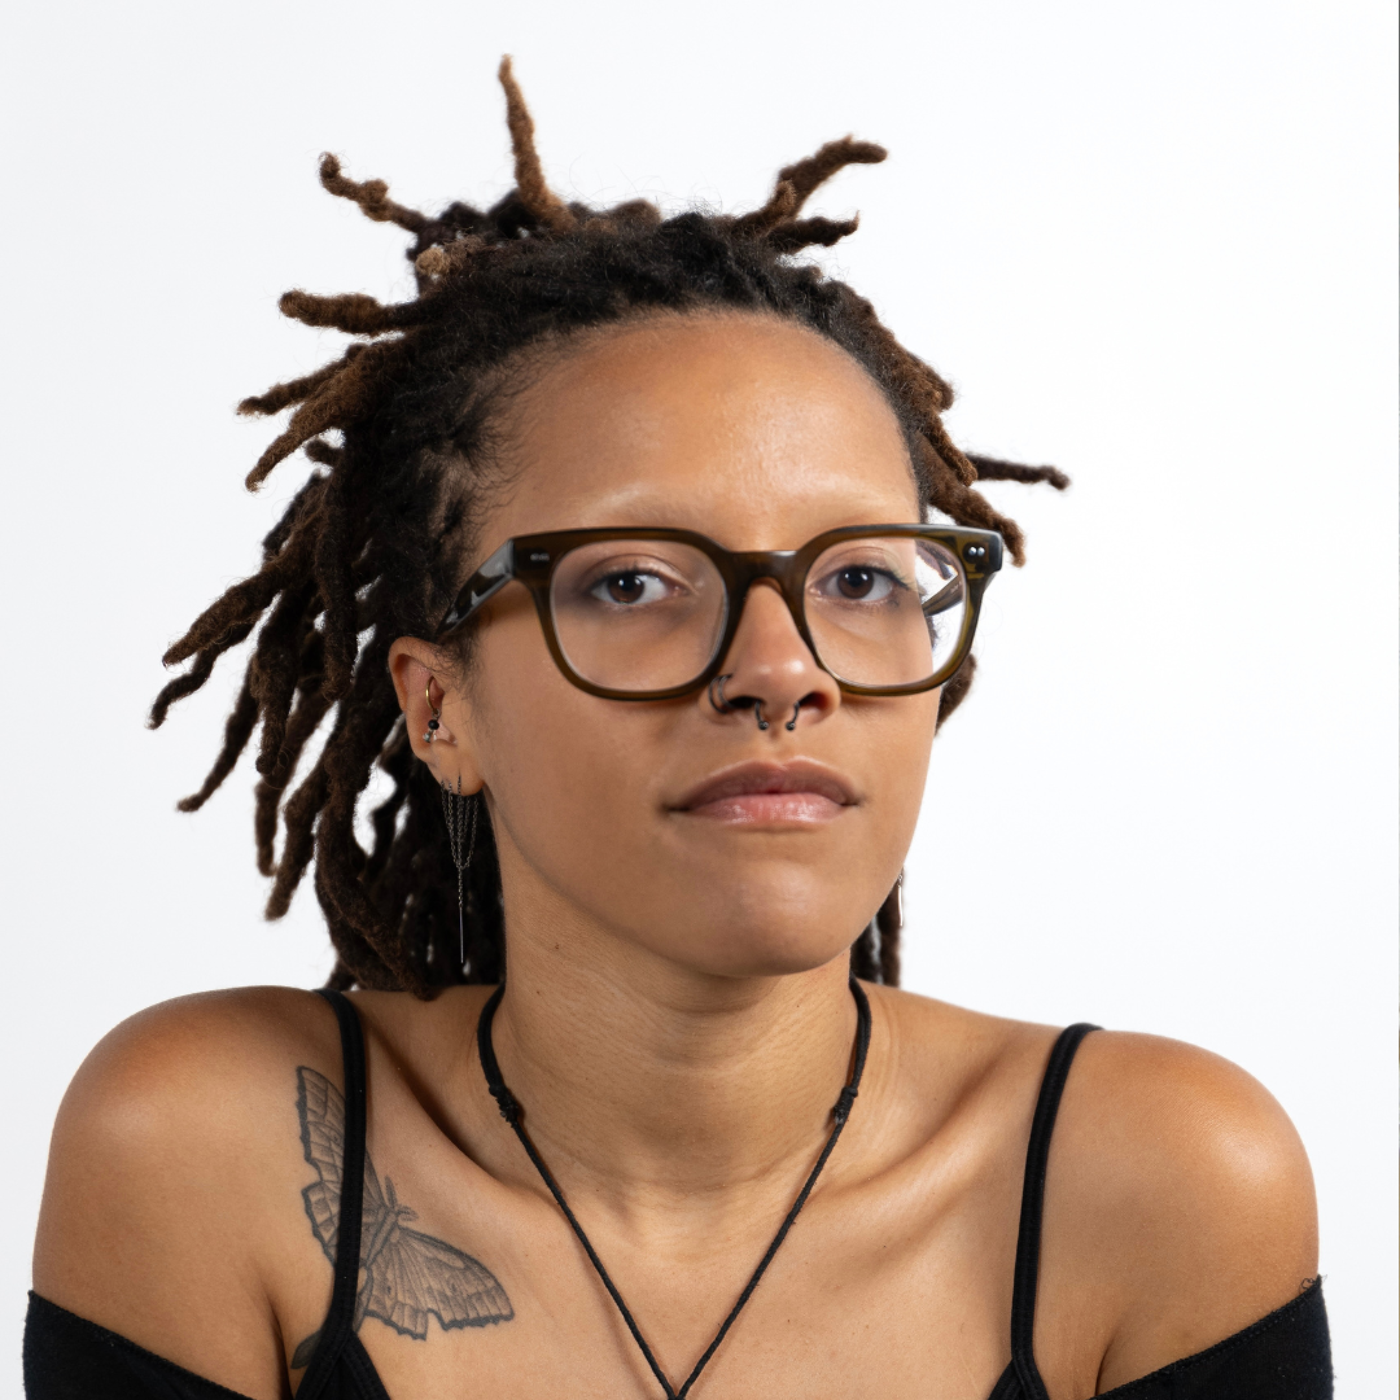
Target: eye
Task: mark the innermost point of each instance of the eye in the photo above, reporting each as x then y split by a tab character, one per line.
628	587
858	583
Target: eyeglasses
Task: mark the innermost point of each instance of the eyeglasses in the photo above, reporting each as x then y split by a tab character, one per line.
650	614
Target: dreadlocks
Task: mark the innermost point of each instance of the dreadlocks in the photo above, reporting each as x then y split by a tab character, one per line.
375	544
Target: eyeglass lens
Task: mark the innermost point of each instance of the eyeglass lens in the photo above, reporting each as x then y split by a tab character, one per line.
644	615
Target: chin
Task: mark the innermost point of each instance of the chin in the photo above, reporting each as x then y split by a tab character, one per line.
776	946
773	922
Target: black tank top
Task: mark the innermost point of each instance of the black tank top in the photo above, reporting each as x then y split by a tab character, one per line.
1284	1356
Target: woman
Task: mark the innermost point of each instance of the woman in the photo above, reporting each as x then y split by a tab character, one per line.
620	572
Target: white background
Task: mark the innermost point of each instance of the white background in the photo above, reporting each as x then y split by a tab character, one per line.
1153	244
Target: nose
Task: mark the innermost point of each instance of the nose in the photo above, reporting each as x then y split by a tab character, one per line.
769	669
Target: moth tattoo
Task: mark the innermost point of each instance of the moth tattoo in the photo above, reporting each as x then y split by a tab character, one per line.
405	1276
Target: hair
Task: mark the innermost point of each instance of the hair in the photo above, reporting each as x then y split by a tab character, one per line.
377	542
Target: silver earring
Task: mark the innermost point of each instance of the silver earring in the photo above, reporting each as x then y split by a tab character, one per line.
461	829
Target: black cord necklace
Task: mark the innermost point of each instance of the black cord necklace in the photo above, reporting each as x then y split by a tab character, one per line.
510	1111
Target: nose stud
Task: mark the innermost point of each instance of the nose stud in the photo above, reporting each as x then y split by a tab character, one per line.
727	707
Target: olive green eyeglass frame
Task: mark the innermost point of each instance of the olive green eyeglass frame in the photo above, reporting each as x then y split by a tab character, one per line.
532	560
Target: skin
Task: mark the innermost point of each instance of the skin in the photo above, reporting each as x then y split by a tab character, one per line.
677	1021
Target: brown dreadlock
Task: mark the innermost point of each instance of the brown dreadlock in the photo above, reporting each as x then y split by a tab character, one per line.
376	545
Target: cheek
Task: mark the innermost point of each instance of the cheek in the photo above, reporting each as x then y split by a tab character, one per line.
562	773
898	739
906	726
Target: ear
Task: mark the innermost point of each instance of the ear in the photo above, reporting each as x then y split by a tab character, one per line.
427	683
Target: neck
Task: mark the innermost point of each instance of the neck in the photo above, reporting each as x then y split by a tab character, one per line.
642	1081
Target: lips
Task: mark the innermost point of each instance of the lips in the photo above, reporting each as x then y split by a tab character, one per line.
800	792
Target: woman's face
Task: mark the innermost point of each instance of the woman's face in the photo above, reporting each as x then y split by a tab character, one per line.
759	434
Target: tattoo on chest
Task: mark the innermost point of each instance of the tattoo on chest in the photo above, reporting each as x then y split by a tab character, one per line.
405	1275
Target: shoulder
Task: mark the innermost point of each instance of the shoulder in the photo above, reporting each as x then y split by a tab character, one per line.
1179	1203
1147	1128
1179	1198
175	1156
1170	1134
200	1066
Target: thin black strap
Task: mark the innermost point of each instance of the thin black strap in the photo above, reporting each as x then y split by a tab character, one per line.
340	1320
1033	1209
510	1111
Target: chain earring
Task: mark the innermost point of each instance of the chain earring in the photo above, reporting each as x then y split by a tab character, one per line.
461	830
435	723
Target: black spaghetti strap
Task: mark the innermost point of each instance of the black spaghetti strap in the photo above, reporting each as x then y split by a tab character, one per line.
339	1325
1033	1207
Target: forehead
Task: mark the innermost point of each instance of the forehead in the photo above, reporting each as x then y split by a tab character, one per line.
750	429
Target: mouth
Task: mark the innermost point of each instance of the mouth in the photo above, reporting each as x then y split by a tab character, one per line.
800	793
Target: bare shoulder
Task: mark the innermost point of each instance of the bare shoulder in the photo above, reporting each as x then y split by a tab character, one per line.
166	1089
1179	1203
1148	1129
1179	1199
174	1178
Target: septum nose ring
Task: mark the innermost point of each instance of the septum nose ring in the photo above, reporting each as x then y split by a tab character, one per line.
726	707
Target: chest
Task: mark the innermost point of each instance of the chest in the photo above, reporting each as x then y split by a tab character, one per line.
861	1299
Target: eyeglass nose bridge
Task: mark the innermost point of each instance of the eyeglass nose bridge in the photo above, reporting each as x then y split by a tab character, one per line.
787	568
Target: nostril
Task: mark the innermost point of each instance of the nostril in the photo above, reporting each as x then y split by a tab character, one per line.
727	704
813	700
722	703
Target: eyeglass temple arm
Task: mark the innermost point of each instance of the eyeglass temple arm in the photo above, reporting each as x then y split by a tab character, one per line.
485	583
947	597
